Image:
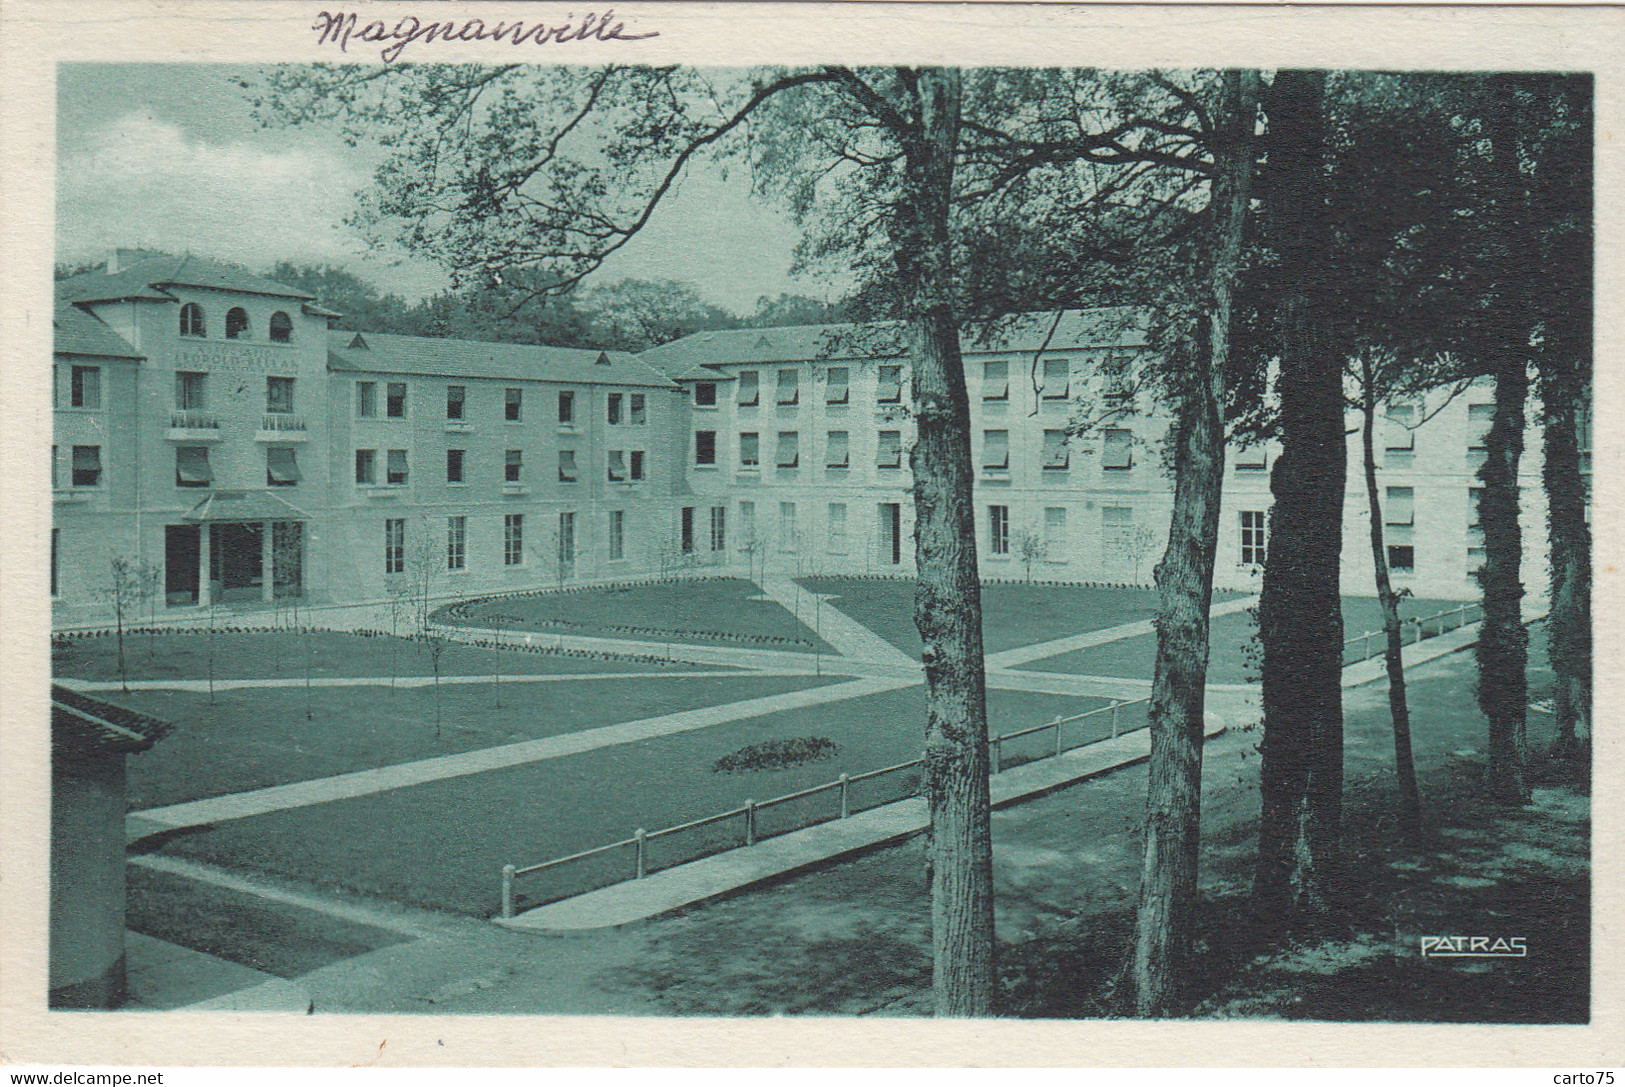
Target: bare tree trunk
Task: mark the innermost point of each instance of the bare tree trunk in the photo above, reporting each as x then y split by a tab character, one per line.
1410	800
1503	643
1155	977
1568	621
947	600
1300	619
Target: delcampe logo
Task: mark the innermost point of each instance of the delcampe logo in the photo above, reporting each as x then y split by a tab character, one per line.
1478	947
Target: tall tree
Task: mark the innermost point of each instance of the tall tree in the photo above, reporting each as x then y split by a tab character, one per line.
1300	610
1164	919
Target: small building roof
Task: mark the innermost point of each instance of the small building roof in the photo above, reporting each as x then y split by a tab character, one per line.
690	358
378	352
81	725
75	332
146	275
245	506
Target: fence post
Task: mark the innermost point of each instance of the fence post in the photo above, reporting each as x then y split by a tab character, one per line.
1365	645
507	890
641	836
846	803
1115	704
1058	720
1418	633
750	822
998	753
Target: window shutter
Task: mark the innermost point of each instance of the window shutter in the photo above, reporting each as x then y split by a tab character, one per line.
995	381
281	464
789	449
838	456
836	391
996	450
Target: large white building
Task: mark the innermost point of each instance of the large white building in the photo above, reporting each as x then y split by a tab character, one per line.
210	424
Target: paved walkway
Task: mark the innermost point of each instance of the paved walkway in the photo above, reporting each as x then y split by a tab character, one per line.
725	873
847	636
1026	654
92	686
383	779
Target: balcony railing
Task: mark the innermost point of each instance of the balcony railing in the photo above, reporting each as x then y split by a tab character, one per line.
191	419
282	421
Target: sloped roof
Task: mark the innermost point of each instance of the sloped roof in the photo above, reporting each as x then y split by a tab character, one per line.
149	273
81	725
689	358
75	332
245	506
430	356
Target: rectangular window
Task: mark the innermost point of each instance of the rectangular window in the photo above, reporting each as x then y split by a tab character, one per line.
749	393
637	415
454	466
1056	454
617	534
567	537
998	529
456	542
995	381
1479	419
86	388
1251	459
837	454
513	539
366	466
889	449
614	407
1116	535
55	480
191	391
705	447
1474	496
281	466
889	385
1402	558
567	407
688	529
1057	379
637	464
56	539
719	528
394	545
1055	533
787	526
395	400
279	396
789	387
1253	550
1116	380
513	405
837	528
456	395
87	465
996	451
1118	452
366	400
1400	506
705	394
835	387
747	523
1400	437
789	449
395	469
617	465
513	466
192	466
567	466
750	449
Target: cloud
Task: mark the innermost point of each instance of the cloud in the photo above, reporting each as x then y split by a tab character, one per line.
137	181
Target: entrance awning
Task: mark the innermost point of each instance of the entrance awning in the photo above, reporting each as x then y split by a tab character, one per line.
245	506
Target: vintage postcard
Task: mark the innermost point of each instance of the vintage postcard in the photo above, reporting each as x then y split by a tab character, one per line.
739	534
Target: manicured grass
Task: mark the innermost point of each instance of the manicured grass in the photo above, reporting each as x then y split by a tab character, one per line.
443	844
1013	615
283	654
701	611
1233	657
250	739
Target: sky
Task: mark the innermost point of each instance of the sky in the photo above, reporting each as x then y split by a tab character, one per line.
167	156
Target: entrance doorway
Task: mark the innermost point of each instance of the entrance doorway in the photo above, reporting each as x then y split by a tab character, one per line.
180	565
891	533
235	557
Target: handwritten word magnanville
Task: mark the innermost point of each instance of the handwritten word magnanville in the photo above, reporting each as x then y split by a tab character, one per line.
339	28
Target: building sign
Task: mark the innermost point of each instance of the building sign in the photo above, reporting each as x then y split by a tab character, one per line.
223	358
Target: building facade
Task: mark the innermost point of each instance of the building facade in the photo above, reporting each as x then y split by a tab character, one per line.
210	425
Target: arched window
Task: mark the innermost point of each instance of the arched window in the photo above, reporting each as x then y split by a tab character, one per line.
281	328
192	319
237	323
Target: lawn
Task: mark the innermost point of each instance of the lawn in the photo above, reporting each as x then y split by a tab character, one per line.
283	654
1233	657
1013	615
250	739
443	844
698	611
